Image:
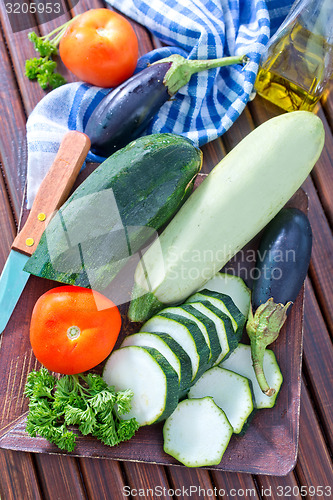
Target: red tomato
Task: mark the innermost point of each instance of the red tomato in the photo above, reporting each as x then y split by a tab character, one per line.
73	329
100	47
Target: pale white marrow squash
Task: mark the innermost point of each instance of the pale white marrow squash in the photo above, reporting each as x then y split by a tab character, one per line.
234	202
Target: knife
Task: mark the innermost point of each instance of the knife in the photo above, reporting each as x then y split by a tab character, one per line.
52	193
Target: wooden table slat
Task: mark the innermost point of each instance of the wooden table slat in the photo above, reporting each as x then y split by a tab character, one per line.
321	266
60	475
318	360
8	228
322	173
241	128
104	477
146	477
18	479
228	484
282	487
314	465
21	49
191	483
12	136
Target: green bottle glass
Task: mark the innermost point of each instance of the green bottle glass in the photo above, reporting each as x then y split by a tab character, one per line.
297	66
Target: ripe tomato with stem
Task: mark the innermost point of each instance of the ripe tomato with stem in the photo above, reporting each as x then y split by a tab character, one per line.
73	329
100	47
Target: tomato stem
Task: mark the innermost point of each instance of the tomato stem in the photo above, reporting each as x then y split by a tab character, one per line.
73	332
60	30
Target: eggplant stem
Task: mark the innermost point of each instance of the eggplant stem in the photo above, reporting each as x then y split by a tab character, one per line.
181	69
257	361
203	64
263	328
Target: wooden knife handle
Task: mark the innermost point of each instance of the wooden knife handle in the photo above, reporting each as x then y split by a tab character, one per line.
54	190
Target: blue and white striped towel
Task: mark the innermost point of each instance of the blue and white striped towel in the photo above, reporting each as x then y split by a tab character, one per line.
202	110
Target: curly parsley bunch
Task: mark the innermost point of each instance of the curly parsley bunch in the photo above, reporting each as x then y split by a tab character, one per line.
85	401
43	69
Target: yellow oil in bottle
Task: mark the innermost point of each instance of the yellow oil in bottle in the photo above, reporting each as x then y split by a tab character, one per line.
294	74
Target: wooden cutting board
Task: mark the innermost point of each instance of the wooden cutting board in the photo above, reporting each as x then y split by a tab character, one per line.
268	447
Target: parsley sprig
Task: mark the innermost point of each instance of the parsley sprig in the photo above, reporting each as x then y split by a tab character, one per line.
85	401
43	69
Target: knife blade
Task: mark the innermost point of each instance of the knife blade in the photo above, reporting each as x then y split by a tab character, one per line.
52	193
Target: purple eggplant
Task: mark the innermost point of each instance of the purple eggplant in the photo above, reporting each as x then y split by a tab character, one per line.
125	113
283	260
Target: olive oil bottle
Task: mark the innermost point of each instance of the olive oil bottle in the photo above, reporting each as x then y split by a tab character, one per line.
298	64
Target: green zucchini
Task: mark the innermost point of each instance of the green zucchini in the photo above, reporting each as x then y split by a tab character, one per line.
201	340
147	373
233	203
116	210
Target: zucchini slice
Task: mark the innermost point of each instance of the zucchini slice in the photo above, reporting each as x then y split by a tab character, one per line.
240	361
203	348
206	326
223	326
151	378
234	286
231	392
170	349
187	335
197	433
225	304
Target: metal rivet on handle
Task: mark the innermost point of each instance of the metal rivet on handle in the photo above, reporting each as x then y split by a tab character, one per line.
41	216
29	242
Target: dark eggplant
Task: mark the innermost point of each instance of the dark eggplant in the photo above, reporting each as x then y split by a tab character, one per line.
119	119
283	260
125	113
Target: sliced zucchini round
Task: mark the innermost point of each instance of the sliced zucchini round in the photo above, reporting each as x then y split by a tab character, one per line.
234	286
151	378
225	304
170	349
240	361
223	326
203	322
230	391
184	312
203	348
197	433
189	337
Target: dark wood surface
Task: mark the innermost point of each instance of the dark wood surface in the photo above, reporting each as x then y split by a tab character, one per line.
26	475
